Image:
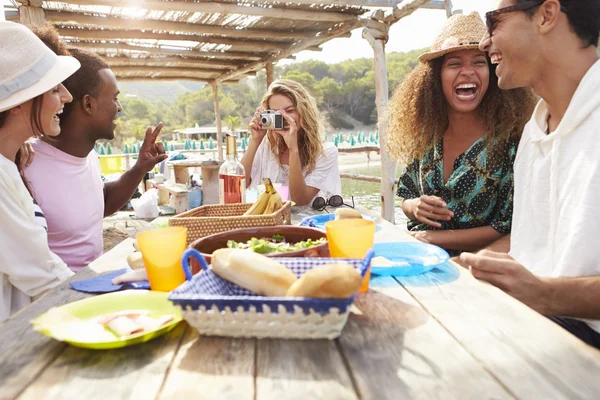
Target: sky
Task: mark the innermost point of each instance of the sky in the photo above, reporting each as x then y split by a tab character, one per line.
416	31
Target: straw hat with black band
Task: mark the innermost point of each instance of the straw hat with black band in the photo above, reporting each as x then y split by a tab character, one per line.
460	32
28	68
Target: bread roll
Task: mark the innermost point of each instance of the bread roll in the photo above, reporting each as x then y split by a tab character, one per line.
253	271
329	281
135	260
347	213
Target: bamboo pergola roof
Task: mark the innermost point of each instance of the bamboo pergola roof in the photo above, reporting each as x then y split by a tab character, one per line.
218	40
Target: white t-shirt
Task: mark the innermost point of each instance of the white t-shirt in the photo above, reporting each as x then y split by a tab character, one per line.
71	193
27	266
325	176
556	217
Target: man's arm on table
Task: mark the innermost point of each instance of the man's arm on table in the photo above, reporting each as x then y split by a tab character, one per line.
565	297
118	193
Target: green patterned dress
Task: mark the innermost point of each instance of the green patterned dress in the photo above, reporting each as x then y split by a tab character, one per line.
478	195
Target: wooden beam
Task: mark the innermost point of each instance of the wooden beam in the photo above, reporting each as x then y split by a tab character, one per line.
335	32
210	7
362	3
270	73
126	78
215	89
435	5
448	7
108	34
172	26
161	50
32	13
405	9
171	61
169	70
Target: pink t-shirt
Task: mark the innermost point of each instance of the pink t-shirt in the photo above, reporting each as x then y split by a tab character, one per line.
70	192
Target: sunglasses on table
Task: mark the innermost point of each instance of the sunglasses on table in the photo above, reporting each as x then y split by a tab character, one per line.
492	17
336	200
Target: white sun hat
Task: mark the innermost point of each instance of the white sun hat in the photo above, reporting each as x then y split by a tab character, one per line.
28	67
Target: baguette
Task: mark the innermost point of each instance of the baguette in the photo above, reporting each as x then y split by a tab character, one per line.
347	213
329	281
252	271
135	260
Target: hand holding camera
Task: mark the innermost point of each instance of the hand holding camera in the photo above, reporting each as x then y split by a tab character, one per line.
256	128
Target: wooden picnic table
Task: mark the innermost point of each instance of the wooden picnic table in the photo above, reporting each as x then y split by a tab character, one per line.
444	335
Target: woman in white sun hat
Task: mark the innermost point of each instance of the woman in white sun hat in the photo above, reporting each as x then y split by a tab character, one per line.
457	132
31	96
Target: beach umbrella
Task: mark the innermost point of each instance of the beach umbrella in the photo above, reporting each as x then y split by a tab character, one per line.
211	145
194	145
352	141
244	146
108	149
171	148
336	142
126	149
202	145
101	150
186	144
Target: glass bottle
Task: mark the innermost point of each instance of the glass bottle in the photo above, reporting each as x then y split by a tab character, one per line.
232	177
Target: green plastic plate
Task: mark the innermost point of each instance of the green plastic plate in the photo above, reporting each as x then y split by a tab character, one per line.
74	322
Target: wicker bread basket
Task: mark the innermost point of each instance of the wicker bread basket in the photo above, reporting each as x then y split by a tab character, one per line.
211	219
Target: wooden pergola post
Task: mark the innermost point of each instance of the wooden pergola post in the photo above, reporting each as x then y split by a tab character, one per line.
215	89
448	6
269	69
31	12
376	33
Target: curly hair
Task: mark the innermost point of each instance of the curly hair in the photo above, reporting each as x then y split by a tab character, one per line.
418	113
51	38
310	133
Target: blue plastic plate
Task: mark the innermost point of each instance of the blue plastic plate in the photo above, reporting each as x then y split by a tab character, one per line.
411	258
318	221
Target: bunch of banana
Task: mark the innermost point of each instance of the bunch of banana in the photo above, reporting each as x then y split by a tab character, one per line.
268	202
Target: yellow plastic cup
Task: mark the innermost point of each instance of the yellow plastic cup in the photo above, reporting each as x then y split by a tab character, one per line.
162	250
351	238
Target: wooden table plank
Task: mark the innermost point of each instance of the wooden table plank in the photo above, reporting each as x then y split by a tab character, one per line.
396	350
134	372
528	353
24	352
211	368
301	369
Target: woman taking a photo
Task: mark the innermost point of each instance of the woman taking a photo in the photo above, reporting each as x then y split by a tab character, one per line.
294	156
457	132
31	96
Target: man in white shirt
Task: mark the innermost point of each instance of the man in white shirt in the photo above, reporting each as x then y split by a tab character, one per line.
554	261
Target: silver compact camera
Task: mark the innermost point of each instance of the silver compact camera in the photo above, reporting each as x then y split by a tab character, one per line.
272	119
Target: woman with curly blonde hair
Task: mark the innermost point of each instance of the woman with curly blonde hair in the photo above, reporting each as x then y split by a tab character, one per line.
294	156
458	133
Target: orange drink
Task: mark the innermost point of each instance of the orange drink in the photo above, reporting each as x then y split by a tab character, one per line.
161	251
351	238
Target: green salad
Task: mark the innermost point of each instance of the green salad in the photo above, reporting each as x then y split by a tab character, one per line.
275	244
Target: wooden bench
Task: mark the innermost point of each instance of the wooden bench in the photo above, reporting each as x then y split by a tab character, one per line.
174	195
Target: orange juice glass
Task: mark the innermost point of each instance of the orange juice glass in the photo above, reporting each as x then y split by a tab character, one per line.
351	238
162	250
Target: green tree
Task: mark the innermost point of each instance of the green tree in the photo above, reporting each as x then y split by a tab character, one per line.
233	122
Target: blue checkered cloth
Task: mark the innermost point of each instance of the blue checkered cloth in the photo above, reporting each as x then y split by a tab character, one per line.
208	290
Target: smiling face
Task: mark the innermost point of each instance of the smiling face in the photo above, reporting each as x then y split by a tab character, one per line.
52	105
465	79
107	105
283	102
514	47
